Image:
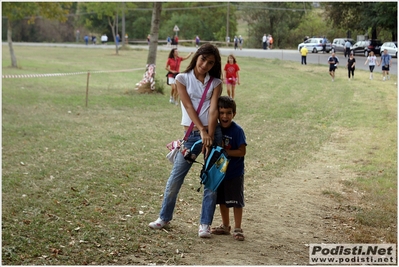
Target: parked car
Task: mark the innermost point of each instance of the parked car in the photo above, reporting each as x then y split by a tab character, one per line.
374	45
360	47
392	48
338	44
315	45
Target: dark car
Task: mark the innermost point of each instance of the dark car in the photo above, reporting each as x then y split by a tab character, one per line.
359	47
374	45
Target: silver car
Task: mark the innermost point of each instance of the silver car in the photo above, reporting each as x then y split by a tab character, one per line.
338	44
391	47
315	45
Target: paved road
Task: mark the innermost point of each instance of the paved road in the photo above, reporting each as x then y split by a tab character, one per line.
292	55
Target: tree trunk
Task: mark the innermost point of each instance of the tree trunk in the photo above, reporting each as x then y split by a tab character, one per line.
147	84
113	34
9	40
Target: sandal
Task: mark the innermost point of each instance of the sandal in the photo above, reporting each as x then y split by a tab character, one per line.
221	230
238	234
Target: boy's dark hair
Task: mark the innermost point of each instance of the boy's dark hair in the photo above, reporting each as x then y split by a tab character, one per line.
227	102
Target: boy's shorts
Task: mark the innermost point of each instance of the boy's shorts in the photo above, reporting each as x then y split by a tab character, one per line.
231	192
332	68
385	68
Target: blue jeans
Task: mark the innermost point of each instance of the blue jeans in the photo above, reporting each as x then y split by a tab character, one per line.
179	171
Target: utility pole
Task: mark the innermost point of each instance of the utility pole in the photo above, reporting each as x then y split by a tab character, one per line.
227	23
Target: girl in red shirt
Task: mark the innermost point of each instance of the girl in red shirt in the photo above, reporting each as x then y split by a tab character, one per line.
173	68
231	75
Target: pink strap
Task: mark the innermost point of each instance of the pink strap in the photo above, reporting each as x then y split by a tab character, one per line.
199	108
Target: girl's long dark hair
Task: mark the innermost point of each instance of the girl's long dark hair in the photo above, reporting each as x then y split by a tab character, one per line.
208	49
172	53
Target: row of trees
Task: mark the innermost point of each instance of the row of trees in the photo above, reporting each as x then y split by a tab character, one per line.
288	22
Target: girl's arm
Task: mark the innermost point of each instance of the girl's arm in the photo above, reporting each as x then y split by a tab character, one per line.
214	110
238	77
192	113
189	55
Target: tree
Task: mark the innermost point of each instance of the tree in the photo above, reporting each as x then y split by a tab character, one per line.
15	11
109	11
275	18
364	16
149	77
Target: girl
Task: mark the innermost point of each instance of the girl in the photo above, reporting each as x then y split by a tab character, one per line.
372	60
190	86
173	68
232	77
351	66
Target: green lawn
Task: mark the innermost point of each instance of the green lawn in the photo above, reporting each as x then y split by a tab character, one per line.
76	180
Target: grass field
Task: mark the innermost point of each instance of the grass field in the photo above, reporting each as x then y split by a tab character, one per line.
80	184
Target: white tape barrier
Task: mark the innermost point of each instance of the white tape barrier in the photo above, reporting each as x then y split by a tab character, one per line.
65	74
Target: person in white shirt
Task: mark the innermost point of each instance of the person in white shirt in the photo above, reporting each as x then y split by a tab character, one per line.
264	41
372	60
104	39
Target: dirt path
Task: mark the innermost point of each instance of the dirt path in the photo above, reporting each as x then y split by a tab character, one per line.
282	218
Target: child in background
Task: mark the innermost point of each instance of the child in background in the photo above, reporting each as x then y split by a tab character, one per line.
230	192
232	77
372	60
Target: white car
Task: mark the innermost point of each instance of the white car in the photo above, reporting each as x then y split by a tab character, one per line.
392	48
315	45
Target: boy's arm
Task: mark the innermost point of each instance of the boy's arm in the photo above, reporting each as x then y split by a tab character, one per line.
240	152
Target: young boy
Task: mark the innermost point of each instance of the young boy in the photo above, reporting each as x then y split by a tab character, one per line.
231	191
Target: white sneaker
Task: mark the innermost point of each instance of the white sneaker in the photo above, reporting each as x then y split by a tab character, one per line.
171	100
204	231
158	224
383	78
389	77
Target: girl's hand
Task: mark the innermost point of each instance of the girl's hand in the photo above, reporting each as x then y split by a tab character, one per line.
206	138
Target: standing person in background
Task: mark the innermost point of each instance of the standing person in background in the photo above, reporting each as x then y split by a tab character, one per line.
304	53
173	68
176	41
351	66
386	61
372	60
240	42
197	41
324	43
148	39
333	64
168	41
347	48
86	38
205	64
271	41
264	41
118	40
231	75
235	42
